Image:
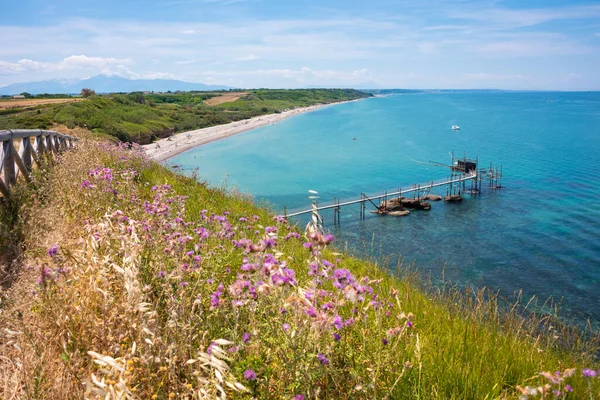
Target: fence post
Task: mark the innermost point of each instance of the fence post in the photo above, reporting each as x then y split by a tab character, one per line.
9	163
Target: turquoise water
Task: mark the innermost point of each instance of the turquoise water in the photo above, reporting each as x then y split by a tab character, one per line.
540	233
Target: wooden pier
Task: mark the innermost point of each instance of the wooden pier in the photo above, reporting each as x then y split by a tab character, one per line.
462	171
33	145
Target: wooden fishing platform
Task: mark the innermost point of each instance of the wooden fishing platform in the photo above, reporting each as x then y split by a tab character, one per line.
463	171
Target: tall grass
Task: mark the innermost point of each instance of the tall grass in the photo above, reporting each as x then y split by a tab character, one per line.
145	284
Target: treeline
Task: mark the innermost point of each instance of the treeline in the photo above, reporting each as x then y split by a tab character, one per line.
141	118
41	96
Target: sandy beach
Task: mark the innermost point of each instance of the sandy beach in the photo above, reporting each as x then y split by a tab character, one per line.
171	146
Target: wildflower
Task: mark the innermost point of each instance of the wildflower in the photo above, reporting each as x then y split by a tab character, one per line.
246	337
299	397
233	349
248	267
311	312
290	235
286	327
270	242
86	184
342	278
162	274
322	359
286	276
337	322
569	388
588	373
328	239
250	375
52	251
215	298
384	341
336	337
307	245
271	229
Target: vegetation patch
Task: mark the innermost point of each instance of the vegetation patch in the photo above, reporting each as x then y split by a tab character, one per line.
140	283
140	118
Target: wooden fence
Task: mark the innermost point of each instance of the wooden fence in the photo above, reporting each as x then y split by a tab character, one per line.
33	145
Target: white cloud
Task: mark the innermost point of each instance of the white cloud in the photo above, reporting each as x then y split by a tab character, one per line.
70	64
82	61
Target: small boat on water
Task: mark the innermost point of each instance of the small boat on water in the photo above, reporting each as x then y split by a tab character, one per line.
455	127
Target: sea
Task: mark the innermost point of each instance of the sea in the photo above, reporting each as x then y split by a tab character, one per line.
539	234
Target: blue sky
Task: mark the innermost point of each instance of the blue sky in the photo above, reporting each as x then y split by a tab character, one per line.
525	44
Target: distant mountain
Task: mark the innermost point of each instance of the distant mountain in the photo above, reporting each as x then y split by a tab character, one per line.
106	84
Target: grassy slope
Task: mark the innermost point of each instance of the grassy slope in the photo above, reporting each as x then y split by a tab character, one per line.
135	284
137	117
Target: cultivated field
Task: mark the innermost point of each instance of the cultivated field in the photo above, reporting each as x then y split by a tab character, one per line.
224	98
20	103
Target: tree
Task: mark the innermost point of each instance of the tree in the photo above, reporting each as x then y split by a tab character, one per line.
85	92
27	95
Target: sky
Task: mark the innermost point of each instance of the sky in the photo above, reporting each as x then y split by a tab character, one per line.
463	44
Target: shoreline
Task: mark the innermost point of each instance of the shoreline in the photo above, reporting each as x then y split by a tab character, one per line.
166	148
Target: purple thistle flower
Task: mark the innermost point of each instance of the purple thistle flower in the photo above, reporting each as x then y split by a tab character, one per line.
162	274
53	250
307	245
569	388
328	239
215	298
299	397
384	341
588	373
337	322
286	327
246	337
311	312
250	375
336	337
322	359
270	242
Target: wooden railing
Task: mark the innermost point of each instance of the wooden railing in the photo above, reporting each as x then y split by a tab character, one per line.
33	145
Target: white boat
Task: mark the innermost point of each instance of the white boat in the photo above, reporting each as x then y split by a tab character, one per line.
455	127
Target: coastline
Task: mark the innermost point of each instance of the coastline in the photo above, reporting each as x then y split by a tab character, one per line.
166	148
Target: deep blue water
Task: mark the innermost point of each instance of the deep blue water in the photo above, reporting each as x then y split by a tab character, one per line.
540	233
